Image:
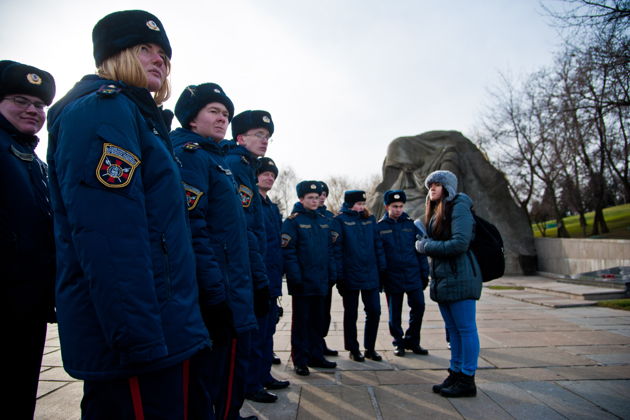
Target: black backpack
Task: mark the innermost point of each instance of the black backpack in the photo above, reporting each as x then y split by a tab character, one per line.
487	245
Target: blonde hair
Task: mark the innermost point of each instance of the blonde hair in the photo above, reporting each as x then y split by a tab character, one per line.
126	66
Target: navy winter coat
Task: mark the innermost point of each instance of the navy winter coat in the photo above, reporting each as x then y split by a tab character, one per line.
127	300
273	251
455	274
307	247
406	269
218	224
27	244
361	257
243	165
334	232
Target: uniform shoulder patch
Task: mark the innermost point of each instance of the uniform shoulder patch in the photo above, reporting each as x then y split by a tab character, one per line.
108	91
286	238
246	195
193	195
293	216
244	160
116	167
191	146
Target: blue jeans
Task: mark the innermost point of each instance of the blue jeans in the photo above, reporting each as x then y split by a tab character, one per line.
461	326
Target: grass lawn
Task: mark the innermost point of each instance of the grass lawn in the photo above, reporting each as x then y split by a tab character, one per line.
506	287
617	218
615	304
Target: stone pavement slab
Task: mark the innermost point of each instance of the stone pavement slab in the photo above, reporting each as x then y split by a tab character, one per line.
536	362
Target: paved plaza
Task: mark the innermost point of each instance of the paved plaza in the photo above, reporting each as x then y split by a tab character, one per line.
537	361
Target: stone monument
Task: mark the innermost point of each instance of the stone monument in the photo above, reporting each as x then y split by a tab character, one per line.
410	159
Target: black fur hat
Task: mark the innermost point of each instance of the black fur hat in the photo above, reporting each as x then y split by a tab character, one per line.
18	78
195	97
306	187
393	196
247	120
353	196
121	30
266	164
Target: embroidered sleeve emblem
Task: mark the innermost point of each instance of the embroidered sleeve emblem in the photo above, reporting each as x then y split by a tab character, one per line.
116	167
286	238
192	196
246	195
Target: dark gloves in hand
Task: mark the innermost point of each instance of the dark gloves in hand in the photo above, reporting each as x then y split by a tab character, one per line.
262	300
219	322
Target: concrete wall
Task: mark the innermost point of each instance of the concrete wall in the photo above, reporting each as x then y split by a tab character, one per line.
575	256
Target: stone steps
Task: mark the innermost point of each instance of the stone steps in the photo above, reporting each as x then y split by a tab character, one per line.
542	291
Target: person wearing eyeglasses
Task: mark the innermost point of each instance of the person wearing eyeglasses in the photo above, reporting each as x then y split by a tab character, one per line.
27	248
251	133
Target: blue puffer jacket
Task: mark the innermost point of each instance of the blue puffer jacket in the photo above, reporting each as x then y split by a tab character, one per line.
406	269
27	244
243	165
361	257
307	247
127	300
273	251
455	274
218	224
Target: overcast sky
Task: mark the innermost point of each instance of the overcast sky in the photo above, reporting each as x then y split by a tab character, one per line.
341	78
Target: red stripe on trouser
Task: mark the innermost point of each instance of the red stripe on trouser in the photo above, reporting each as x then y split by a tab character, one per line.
230	383
136	398
186	375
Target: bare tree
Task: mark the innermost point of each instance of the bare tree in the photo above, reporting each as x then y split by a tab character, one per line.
283	191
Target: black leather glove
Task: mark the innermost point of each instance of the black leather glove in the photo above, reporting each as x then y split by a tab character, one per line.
219	322
262	301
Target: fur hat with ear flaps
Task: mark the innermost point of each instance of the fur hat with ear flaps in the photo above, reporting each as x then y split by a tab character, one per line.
447	179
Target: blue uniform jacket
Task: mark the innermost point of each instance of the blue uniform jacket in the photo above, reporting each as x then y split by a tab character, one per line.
455	274
406	269
273	251
307	247
217	222
361	257
127	300
243	165
27	244
334	233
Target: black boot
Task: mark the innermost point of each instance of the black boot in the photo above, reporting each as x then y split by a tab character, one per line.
464	387
450	380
